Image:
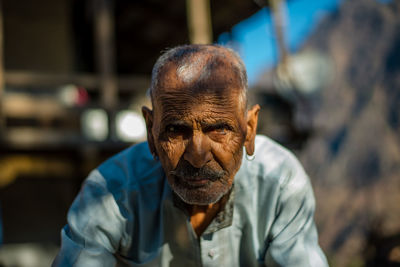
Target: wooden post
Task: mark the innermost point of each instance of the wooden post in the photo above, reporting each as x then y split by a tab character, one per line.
199	21
277	14
2	125
105	49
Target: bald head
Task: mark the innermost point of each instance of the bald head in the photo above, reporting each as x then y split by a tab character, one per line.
193	68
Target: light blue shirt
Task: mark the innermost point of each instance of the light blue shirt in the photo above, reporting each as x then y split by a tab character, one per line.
127	215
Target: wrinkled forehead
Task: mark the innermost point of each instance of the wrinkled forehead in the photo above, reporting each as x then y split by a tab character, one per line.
200	73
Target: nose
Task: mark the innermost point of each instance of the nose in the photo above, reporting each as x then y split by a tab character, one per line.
198	150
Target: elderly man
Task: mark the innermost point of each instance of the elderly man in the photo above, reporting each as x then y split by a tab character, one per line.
203	190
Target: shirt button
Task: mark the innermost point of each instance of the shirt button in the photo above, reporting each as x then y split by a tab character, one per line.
211	253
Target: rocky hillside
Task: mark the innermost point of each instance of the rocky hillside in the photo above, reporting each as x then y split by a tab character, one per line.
353	154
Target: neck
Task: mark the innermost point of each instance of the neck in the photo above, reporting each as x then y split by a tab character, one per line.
202	215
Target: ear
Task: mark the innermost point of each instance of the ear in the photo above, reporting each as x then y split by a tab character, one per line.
148	117
252	119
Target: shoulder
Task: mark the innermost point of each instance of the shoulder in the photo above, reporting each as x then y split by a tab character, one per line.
130	168
274	165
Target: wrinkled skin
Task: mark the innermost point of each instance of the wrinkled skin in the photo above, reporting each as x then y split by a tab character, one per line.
198	130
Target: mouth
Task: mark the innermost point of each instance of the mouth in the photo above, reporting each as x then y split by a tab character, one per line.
197	181
192	182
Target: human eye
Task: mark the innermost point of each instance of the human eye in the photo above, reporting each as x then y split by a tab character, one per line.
219	128
176	129
171	129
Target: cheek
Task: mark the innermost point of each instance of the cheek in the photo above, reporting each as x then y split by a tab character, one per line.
229	153
172	151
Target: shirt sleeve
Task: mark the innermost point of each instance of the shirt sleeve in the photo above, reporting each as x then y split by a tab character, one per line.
94	228
293	239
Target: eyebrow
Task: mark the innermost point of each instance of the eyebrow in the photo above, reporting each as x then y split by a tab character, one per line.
217	124
172	122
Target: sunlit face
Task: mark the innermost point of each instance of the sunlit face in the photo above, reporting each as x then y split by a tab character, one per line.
199	129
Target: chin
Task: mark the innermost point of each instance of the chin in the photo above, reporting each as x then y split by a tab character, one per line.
201	200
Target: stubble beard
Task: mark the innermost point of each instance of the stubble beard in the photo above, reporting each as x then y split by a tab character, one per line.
209	193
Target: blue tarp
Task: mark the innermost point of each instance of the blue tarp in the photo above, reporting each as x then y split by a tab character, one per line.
254	37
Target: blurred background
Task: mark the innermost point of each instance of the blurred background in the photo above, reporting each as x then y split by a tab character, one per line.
74	75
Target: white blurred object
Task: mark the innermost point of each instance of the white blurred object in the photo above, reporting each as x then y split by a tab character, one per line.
306	72
68	94
27	254
94	124
72	95
130	126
